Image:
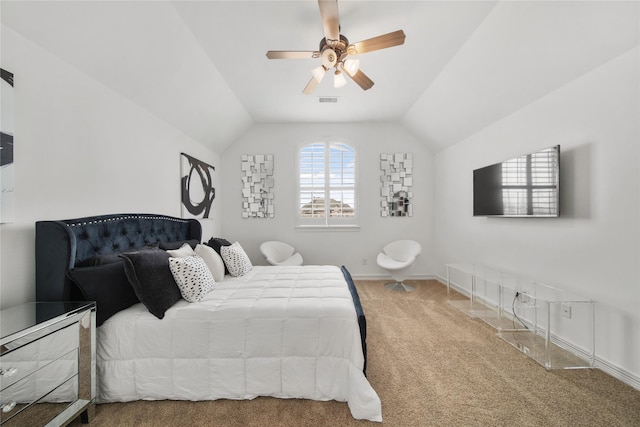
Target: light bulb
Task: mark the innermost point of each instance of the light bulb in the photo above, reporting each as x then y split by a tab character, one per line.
318	73
338	79
351	66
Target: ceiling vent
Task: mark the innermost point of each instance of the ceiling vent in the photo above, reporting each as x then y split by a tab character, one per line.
329	99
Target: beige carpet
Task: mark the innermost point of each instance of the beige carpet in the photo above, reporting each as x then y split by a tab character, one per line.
431	366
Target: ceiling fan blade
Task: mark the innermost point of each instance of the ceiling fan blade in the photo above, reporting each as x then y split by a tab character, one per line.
330	19
384	41
361	79
292	54
311	86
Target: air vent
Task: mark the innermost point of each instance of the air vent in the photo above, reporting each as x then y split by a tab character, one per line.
330	99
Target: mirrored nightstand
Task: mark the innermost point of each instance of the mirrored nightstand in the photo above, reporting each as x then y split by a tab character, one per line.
47	363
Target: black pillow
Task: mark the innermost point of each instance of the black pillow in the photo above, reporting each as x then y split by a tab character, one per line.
152	281
103	259
216	243
100	260
107	285
170	246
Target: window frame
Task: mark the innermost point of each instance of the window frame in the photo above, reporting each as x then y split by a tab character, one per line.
327	221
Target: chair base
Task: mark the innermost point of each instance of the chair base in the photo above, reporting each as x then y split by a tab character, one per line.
399	287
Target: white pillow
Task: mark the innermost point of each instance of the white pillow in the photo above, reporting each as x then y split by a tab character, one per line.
184	251
236	260
192	277
213	261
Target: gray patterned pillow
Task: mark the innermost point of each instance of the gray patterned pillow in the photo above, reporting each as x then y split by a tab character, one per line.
236	260
192	276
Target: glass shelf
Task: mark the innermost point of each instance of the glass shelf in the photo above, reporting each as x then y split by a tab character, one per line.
534	317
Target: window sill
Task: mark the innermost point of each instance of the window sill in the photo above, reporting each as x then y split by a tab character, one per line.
327	227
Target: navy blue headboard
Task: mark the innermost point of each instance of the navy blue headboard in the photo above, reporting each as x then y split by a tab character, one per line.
61	245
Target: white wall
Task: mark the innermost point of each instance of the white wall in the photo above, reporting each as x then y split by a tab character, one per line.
594	247
328	246
81	149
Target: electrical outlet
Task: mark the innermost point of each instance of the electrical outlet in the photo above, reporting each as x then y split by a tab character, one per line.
565	310
523	348
524	298
364	261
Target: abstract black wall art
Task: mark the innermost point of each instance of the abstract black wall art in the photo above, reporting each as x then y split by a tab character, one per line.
196	187
6	147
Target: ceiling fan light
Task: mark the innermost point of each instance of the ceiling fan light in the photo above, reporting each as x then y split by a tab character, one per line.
329	58
351	66
338	80
318	73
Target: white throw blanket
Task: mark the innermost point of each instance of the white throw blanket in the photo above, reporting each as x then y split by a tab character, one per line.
287	332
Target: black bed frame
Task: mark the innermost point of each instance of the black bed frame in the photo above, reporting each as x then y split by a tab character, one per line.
62	245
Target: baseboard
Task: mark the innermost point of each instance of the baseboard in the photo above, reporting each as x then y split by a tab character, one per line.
605	366
619	373
453	286
599	363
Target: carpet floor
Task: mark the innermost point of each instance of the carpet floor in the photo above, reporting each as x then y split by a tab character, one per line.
431	365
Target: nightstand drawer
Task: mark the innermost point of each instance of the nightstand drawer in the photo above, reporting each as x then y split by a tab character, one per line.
26	359
54	383
42	410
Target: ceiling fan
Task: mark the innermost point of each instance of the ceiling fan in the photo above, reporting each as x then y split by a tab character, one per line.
335	49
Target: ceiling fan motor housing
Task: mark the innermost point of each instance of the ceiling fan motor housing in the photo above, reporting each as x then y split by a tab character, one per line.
333	50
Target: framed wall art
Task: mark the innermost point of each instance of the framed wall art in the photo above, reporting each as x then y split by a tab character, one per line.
257	186
7	172
196	187
397	182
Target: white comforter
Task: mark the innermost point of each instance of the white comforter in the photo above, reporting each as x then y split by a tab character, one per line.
287	332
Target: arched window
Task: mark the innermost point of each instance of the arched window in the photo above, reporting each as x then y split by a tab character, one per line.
327	184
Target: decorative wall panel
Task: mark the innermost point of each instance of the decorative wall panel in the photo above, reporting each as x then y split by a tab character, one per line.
257	186
397	181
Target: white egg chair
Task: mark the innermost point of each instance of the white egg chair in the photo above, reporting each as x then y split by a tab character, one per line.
280	253
398	259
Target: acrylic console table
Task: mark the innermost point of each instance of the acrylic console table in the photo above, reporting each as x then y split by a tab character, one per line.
553	326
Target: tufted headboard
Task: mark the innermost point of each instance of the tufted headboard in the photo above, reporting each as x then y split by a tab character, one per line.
61	245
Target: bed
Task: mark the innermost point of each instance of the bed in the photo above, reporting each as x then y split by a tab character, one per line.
279	331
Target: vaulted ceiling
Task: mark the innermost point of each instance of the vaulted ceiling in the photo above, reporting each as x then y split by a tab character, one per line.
201	65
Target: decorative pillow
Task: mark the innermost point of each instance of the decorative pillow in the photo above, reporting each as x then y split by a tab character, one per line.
167	246
152	281
192	276
111	258
213	260
184	251
216	243
236	259
107	285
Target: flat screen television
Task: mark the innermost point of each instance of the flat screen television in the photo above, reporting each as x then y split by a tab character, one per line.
525	186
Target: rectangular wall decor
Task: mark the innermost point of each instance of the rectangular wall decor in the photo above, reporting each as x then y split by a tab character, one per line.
196	187
6	147
257	186
397	181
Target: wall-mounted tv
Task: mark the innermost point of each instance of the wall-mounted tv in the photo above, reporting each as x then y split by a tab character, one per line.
525	186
